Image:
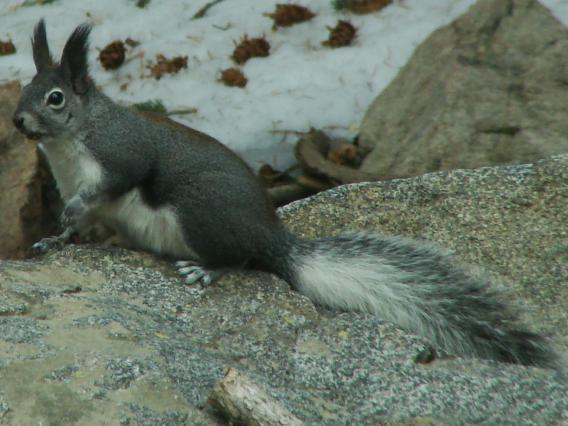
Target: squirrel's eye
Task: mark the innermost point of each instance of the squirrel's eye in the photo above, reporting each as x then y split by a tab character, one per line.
55	99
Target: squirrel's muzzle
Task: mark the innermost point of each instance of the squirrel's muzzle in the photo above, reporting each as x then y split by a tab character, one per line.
26	124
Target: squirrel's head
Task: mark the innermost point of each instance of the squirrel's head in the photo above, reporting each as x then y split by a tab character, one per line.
54	102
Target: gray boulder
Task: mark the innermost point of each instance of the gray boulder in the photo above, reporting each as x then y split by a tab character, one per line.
101	335
487	89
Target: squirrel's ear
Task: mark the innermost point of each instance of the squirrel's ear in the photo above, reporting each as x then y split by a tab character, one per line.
40	48
74	59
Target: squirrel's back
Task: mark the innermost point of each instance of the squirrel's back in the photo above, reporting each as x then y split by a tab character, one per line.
189	183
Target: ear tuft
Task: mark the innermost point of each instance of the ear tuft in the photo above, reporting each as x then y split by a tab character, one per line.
74	59
40	48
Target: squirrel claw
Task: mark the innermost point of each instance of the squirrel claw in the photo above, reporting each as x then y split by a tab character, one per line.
194	274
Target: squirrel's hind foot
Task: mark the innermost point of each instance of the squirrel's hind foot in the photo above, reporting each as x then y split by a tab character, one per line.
195	274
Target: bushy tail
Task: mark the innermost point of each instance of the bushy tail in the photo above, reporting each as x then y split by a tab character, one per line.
417	287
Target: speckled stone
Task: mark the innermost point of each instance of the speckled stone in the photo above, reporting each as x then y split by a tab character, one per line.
114	336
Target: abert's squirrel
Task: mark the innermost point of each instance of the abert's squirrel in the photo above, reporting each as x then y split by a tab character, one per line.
185	195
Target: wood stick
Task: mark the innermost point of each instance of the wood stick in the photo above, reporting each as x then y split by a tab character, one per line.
244	402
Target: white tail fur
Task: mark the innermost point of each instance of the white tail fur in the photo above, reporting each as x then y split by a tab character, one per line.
418	287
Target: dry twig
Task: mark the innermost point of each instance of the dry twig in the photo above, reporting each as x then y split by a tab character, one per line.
201	12
244	402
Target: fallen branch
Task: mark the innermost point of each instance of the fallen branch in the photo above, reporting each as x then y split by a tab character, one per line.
201	12
285	194
244	402
311	152
182	111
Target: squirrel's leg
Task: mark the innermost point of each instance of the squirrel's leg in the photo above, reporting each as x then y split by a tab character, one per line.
74	217
78	207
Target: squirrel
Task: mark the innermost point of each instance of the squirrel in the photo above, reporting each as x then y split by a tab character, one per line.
184	195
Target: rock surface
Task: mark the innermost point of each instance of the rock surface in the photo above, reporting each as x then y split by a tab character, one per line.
20	198
489	88
94	335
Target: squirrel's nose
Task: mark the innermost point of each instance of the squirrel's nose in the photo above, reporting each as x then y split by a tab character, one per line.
18	121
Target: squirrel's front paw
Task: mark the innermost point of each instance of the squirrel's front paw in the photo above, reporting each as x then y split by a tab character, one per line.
46	244
50	243
73	210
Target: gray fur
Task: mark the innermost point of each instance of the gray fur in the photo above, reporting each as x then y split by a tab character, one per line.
177	192
419	287
40	48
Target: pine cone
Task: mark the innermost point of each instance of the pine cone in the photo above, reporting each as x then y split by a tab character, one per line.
361	6
233	77
7	47
112	56
164	65
341	35
249	48
289	14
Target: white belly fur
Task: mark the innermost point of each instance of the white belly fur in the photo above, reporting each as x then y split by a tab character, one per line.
155	230
72	165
